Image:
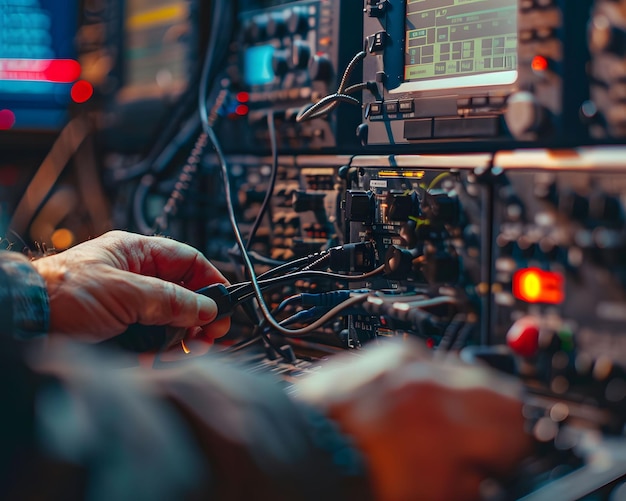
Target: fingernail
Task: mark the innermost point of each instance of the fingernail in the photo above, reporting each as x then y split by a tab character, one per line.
207	309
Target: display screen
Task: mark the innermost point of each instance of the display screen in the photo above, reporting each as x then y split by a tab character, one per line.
257	65
158	48
453	43
38	65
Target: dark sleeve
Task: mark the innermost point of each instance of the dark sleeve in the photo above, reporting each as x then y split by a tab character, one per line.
260	443
204	431
24	308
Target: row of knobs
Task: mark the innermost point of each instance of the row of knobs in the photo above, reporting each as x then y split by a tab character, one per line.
607	45
300	57
277	24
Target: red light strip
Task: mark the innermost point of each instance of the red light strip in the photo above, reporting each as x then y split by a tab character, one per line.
40	70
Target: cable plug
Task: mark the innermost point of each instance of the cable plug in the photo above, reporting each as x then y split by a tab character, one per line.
140	338
329	299
398	262
354	257
224	301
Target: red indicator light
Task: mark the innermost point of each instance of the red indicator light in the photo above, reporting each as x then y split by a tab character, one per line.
539	63
430	343
7	119
533	285
243	97
81	91
45	70
62	70
523	337
241	110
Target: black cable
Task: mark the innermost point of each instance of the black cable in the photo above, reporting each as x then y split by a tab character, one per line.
208	129
264	259
289	266
148	180
451	333
139	200
330	102
256	288
219	21
270	189
244	291
327	103
183	183
162	146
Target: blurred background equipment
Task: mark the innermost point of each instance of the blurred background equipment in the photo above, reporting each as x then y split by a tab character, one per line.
453	171
39	70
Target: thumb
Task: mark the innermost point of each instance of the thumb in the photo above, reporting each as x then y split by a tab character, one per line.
159	302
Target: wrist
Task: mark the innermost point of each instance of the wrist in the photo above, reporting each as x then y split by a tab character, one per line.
23	297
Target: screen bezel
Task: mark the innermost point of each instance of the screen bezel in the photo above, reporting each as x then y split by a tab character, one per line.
492	79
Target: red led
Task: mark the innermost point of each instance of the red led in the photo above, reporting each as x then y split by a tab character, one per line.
62	70
241	110
47	70
243	97
533	285
81	91
430	343
7	119
539	63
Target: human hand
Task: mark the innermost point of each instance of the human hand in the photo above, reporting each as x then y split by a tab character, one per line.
100	287
428	431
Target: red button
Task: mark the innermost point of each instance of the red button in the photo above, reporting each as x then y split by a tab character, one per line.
523	337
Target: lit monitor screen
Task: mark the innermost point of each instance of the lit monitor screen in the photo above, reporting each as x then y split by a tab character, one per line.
38	64
158	49
460	43
257	65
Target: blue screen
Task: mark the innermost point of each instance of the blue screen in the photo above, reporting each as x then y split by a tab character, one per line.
37	61
257	65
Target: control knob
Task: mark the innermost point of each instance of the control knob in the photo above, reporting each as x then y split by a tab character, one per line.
605	37
298	20
258	28
321	68
300	55
524	115
280	64
277	25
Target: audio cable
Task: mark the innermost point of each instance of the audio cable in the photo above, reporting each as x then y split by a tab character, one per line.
328	103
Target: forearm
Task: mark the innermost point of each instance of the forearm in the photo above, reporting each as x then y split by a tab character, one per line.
261	444
207	430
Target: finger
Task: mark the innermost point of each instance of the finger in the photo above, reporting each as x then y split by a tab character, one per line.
215	329
177	262
152	301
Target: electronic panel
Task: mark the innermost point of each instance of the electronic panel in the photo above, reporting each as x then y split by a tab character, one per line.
559	297
284	58
425	216
38	65
607	44
489	72
559	246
